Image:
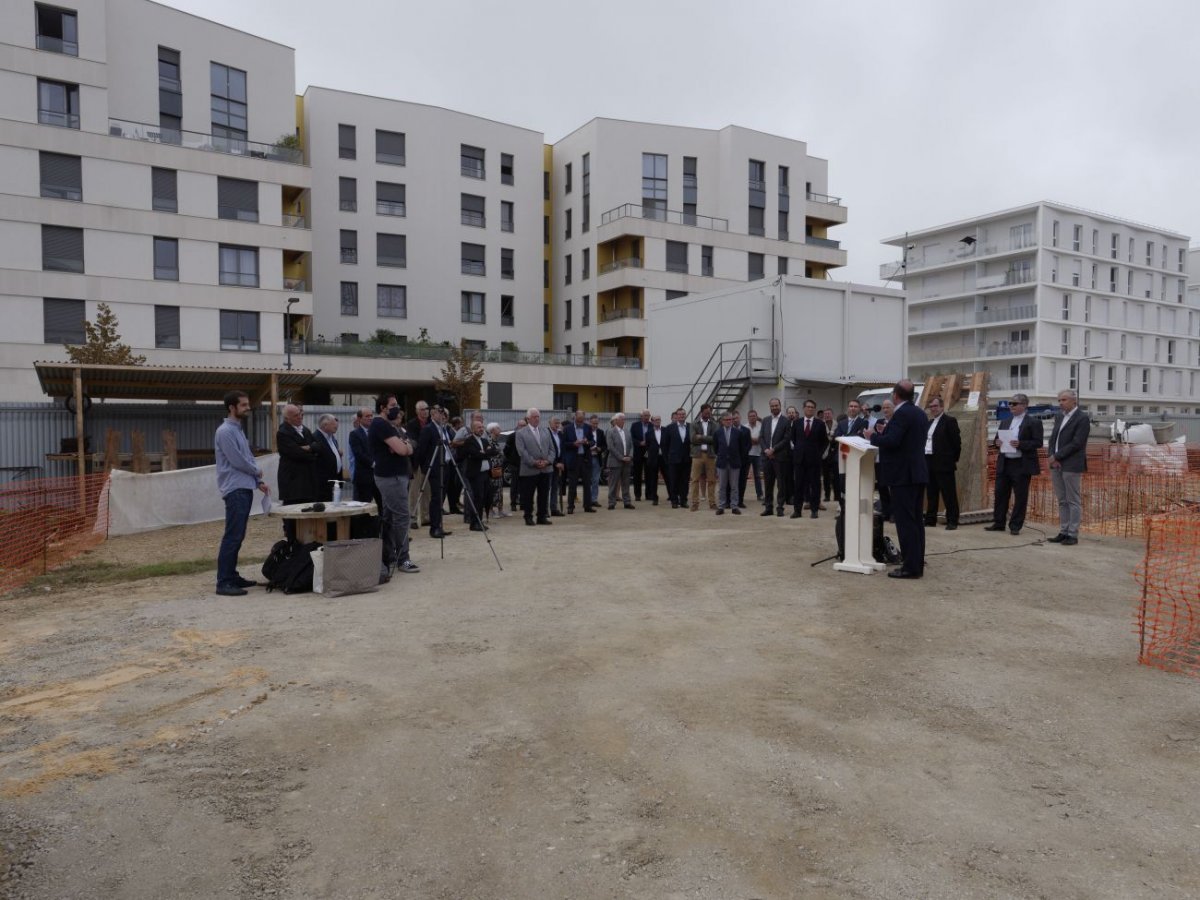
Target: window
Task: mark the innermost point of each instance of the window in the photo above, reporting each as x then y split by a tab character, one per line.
1087	343
783	225
239	266
566	399
1054	233
1066	306
349	243
756	225
473	308
567	269
347	142
1077	275
500	395
506	170
1066	340
58	103
546	230
568	317
389	147
754	266
1095	241
567	226
1145	381
783	265
389	199
677	256
1021	236
57	30
1129	282
506	215
391	301
163	189
1116	243
1018	373
166	327
1170	352
690	190
349	298
1077	237
1093	276
587	193
567	178
545	275
62	249
545	185
170	97
1073	377
586	264
1087	309
239	330
1149	253
758	175
1182	259
506	263
473	259
706	260
1054	270
508	305
391	250
1131	245
61	176
472	211
237	199
546	318
229	114
1112	378
166	259
471	161
348	194
585	310
586	348
1121	353
1018	334
62	321
1113	275
654	186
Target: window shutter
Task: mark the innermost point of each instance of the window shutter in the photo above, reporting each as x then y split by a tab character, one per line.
62	176
389	192
62	249
163	185
237	199
62	321
389	147
391	250
166	327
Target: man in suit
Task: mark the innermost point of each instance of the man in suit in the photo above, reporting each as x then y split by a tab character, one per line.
902	467
578	441
829	463
363	475
853	424
728	446
1068	462
535	452
558	481
678	450
754	427
297	463
808	444
775	440
620	462
744	471
943	446
329	463
431	458
478	453
418	500
655	464
599	457
704	458
1016	464
637	433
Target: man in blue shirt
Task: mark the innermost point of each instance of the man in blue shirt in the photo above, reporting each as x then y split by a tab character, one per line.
237	477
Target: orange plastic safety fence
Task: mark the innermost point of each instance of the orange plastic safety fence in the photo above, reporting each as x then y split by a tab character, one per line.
46	521
1168	613
1124	485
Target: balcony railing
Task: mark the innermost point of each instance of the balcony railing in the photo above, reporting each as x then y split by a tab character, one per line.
982	317
757	185
472	169
629	262
371	350
1006	348
612	315
57	45
295	284
350	255
506	226
195	140
939	353
58	119
822	242
634	210
824	198
474	219
473	267
291	220
390	208
348	205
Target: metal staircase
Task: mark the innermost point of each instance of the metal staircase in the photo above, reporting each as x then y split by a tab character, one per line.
729	372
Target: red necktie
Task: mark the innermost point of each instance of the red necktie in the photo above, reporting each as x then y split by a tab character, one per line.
807	426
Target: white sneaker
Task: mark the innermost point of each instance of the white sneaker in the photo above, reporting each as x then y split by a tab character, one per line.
409	566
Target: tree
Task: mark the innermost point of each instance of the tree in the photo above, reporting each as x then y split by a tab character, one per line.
102	343
461	378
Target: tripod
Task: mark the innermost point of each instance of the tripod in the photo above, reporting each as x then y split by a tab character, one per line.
469	497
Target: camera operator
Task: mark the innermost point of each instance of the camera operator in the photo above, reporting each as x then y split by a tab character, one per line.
479	452
390	451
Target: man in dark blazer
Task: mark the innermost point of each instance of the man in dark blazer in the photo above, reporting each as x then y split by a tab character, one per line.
853	425
1016	464
678	449
599	456
902	468
1068	462
330	461
478	455
637	433
744	471
431	457
364	475
943	446
297	463
655	463
808	444
577	443
728	450
775	439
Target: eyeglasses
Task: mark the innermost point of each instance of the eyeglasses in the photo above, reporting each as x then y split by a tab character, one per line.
1017	403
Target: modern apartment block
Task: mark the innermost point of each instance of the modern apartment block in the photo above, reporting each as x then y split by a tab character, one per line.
145	161
1046	297
644	213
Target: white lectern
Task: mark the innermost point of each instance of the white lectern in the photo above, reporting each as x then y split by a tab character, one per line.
858	457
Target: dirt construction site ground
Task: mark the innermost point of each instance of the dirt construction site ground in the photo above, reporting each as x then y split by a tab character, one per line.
647	703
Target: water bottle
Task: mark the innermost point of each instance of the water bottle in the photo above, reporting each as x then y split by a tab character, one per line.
337	491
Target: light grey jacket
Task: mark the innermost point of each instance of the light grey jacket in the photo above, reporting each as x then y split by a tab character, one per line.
613	436
532	447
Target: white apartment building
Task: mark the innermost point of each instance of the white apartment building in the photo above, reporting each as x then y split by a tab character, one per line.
644	213
1047	296
140	165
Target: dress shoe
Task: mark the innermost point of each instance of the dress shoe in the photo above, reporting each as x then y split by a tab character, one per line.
438	533
741	506
571	511
630	506
674	506
721	512
931	523
952	526
477	527
900	573
589	509
779	512
814	515
994	528
544	522
796	515
613	507
1070	541
654	502
529	521
1014	531
231	590
766	512
244	582
557	513
737	511
1058	538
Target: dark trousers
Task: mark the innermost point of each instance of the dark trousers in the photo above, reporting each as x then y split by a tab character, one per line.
941	484
907	509
237	513
539	485
366	526
653	466
454	488
755	465
808	485
829	477
777	487
1011	481
433	477
680	477
580	475
475	497
743	475
638	474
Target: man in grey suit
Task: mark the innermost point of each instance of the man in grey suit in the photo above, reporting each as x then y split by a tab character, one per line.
1068	462
620	462
536	453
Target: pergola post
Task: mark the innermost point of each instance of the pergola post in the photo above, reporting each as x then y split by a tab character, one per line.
80	441
273	413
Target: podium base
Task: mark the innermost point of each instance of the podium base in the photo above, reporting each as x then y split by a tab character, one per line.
861	568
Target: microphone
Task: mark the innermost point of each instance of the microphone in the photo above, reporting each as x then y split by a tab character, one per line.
875	408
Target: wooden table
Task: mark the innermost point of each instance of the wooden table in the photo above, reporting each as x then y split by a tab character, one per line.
310	526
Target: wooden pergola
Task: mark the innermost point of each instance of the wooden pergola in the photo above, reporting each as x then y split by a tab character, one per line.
168	383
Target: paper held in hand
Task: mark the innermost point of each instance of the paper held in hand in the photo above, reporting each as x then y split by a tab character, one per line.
1008	443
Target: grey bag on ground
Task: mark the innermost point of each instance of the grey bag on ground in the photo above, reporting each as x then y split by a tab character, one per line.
352	567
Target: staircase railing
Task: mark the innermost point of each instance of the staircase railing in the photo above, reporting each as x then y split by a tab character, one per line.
730	361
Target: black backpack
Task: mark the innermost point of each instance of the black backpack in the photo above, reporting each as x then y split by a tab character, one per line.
289	567
882	547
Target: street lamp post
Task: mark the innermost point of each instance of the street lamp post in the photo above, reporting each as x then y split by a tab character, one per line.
287	327
1079	377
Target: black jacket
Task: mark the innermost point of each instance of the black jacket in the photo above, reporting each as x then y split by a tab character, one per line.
297	465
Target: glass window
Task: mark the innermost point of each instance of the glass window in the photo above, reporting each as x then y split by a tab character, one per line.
706	260
567	269
391	250
474	261
348	194
506	168
783	265
169	78
756	223
349	245
237	199
473	308
472	211
57	30
389	199
506	215
58	103
229	110
585	310
677	256
166	327
62	249
567	178
508	307
62	321
239	330
567	226
391	301
754	266
239	266
389	148
166	259
349	298
506	263
471	161
163	186
61	176
347	142
585	264
654	186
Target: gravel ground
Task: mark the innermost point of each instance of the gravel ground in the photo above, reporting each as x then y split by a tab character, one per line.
650	704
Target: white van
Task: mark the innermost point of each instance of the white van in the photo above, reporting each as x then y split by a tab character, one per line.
872	398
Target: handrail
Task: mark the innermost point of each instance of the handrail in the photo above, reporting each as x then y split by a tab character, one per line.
372	350
197	140
722	366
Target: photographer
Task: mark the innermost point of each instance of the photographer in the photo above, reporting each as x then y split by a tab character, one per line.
393	472
478	453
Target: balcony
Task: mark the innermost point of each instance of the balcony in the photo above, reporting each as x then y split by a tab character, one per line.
671	216
294	221
350	255
57	45
474	219
616	324
295	284
982	317
58	118
822	242
612	315
823	198
390	208
964	351
1006	348
630	262
195	140
473	267
437	353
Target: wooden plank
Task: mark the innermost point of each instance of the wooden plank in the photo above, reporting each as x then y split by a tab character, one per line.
170	460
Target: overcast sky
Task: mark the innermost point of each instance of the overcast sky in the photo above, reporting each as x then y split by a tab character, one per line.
928	111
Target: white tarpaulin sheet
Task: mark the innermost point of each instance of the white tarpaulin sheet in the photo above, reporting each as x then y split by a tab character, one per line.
183	497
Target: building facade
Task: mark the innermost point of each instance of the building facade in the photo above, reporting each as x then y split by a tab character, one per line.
146	161
1047	296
